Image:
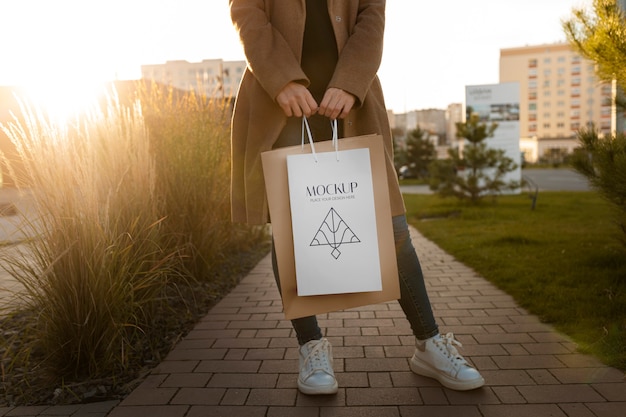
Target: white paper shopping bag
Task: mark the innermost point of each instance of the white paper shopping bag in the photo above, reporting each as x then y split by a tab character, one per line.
334	222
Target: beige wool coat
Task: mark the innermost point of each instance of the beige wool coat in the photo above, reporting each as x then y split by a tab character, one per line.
272	32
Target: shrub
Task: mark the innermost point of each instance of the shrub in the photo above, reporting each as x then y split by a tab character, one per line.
603	162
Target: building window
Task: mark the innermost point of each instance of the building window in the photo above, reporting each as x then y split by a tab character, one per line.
560	125
546	115
532	106
532	73
575	102
560	83
576	81
532	95
547	72
546	84
532	84
561	59
575	126
560	114
576	70
546	125
547	93
532	63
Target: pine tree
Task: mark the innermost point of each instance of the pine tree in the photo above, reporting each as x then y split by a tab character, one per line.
476	172
601	37
420	152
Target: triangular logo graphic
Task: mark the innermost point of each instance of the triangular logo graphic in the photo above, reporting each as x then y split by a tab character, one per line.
334	232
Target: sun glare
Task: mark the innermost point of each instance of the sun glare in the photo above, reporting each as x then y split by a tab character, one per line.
64	100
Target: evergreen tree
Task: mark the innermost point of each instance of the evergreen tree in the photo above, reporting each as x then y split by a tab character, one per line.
476	172
420	152
601	37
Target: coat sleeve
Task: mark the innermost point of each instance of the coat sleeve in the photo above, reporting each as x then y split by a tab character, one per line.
269	56
360	57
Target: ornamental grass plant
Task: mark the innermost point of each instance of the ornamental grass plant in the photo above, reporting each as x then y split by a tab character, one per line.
130	241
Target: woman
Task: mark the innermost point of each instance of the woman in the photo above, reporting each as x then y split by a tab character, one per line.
319	59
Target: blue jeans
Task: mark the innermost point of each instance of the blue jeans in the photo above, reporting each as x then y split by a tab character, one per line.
413	296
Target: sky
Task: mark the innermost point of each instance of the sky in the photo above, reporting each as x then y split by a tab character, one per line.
433	49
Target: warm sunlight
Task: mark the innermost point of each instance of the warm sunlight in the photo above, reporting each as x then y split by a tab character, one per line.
63	99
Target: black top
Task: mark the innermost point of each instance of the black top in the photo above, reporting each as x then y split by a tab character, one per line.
319	48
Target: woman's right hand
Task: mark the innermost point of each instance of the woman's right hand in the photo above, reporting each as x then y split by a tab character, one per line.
296	100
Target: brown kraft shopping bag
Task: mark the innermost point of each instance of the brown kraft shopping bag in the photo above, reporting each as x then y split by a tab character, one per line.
277	189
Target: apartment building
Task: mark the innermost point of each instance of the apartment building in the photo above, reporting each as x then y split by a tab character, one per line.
212	77
559	94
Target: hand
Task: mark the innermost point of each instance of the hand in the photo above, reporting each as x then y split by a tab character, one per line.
336	104
296	100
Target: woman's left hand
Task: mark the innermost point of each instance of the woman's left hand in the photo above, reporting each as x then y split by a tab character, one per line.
336	104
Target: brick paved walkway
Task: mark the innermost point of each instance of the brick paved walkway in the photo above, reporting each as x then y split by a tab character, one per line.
241	360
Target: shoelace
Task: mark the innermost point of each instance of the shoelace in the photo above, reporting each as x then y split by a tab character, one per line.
449	343
315	360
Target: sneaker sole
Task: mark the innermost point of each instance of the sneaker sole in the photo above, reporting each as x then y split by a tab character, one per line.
420	368
325	390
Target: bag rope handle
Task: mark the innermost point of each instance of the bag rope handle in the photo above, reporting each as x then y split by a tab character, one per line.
335	137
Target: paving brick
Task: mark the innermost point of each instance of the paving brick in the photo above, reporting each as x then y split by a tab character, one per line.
235	396
522	410
376	364
151	396
297	411
352	379
371	340
268	353
614	409
382	396
527	362
235	354
515	349
542	376
442	411
508	395
225	411
483	395
281	397
228	366
549	348
199	396
612	392
333	400
360	412
189	379
433	396
195	354
589	376
245	343
379	380
511	377
576	410
150	410
243	381
560	394
372	352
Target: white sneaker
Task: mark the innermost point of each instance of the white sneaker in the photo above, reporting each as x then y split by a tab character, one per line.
438	358
316	368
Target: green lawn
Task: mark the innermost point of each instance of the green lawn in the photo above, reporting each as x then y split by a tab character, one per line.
562	261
